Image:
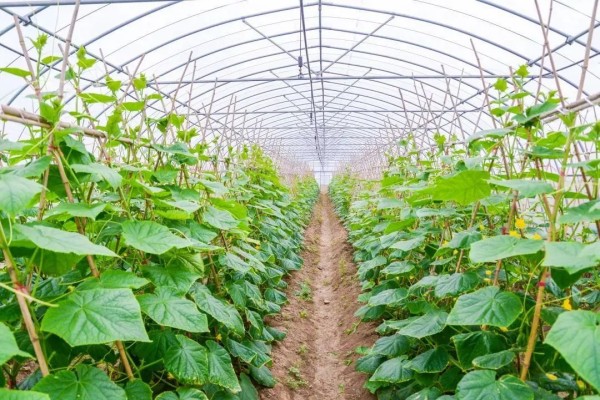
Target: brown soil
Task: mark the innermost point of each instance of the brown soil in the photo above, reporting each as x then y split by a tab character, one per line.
316	359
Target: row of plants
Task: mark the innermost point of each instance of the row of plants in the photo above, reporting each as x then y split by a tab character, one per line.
480	261
143	269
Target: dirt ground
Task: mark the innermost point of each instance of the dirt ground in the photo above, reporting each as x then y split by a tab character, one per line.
316	359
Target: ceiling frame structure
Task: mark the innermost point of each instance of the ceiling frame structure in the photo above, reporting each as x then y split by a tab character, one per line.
360	90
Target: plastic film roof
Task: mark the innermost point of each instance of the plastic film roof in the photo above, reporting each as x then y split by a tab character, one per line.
371	71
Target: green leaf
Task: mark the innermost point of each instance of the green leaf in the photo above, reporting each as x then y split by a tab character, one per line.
178	277
218	309
220	369
389	297
490	133
114	279
134	105
151	237
576	336
187	361
472	345
8	345
81	210
494	360
429	324
16	193
21	73
248	392
431	361
33	169
84	383
61	241
391	346
138	390
586	212
182	393
166	308
526	188
92	98
464	188
482	385
6	394
569	255
451	285
220	219
503	246
486	306
407	245
100	172
396	370
96	316
463	240
214	187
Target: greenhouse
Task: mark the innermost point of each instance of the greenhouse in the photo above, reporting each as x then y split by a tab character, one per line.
299	200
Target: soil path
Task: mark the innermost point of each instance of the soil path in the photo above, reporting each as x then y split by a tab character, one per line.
316	359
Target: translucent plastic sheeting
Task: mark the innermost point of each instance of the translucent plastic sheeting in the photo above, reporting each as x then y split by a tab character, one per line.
379	68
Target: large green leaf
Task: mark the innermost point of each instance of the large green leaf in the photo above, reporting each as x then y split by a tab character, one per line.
220	369
187	361
482	385
78	210
60	241
469	346
84	383
391	346
494	360
96	316
486	306
586	212
569	255
426	325
389	297
16	193
395	370
431	361
151	237
6	394
576	336
503	246
167	308
8	345
174	276
407	245
100	172
464	188
182	393
451	285
114	279
138	390
490	133
218	309
526	188
220	219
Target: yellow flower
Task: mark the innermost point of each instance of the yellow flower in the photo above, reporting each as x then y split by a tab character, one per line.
580	384
514	234
504	329
536	236
411	277
552	377
219	337
488	272
520	223
444	243
481	227
567	304
455	252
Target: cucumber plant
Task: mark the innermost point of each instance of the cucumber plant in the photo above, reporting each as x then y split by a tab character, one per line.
139	260
481	261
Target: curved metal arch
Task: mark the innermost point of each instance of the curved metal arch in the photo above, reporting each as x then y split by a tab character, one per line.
418	95
357	8
360	95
